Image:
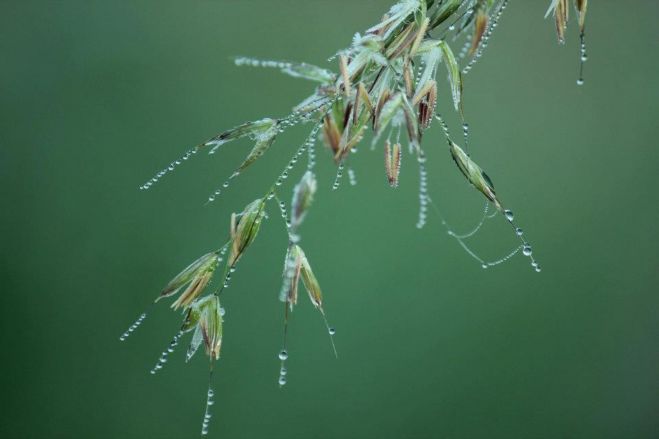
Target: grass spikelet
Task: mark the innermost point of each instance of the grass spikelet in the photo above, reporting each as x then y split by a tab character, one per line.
474	174
244	228
392	160
196	276
313	289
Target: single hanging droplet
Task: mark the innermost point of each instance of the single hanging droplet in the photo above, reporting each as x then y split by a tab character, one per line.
331	331
283	355
526	250
282	380
519	232
509	215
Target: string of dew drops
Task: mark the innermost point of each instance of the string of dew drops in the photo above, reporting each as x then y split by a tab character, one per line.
339	174
170	168
283	353
423	189
486	38
133	327
163	357
583	57
210	394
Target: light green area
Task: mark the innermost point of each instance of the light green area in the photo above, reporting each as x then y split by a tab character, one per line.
98	95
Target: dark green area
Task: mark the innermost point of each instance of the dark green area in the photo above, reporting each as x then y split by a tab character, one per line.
98	95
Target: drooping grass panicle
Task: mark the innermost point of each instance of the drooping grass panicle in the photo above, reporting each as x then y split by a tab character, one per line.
386	81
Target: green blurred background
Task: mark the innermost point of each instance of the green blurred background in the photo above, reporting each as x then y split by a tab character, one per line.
98	95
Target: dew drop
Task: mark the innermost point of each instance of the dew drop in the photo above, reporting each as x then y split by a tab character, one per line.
580	81
283	355
509	215
526	250
282	380
519	232
331	331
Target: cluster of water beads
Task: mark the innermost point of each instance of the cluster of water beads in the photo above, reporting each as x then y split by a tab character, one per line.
311	149
527	250
133	327
225	185
423	189
285	66
284	215
169	169
465	135
486	37
254	62
339	174
308	143
583	57
227	277
207	414
352	177
298	116
283	356
163	357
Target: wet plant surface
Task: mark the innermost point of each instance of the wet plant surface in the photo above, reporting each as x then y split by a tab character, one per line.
410	97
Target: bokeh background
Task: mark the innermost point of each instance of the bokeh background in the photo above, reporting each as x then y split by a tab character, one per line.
98	95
